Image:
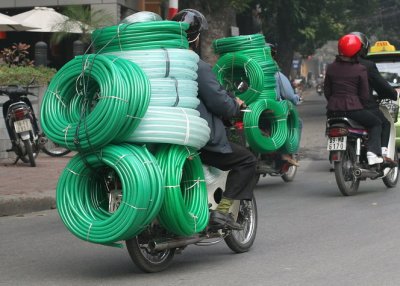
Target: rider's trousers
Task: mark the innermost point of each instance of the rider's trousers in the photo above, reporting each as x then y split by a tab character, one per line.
242	165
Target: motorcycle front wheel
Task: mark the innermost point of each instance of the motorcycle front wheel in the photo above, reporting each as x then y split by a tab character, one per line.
390	180
346	181
241	241
146	259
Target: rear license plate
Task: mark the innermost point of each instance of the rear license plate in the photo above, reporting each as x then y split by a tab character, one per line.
337	143
22	125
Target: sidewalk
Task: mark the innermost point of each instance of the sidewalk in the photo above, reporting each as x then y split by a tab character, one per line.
25	189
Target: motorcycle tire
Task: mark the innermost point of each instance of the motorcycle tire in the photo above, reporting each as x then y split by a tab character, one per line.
289	175
29	152
348	184
241	241
145	259
390	180
54	150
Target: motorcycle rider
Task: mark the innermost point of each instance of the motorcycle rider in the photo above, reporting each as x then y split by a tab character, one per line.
382	88
215	105
347	91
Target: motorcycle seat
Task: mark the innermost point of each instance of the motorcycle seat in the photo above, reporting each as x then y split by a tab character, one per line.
352	123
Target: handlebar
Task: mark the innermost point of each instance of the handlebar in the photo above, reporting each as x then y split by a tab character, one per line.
15	90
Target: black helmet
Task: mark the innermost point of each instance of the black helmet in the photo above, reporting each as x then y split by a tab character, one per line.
195	19
364	42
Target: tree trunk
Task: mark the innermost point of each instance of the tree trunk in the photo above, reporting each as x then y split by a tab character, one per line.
285	49
219	25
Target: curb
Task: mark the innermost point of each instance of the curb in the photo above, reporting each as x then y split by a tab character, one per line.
19	205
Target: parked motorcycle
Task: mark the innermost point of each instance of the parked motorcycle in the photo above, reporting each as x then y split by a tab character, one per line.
154	249
22	127
347	146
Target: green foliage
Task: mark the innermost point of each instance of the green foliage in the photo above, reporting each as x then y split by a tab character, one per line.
213	5
16	55
20	75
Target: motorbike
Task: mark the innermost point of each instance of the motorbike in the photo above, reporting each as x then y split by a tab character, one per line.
23	129
347	146
319	89
154	248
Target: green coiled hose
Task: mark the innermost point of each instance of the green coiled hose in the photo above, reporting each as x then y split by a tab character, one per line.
185	207
265	126
141	36
292	142
232	68
238	43
82	196
94	100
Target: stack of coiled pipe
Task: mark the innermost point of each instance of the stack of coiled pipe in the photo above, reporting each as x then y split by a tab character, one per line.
128	110
271	124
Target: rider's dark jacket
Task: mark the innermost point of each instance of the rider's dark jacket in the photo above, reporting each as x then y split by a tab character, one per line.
377	83
215	104
346	85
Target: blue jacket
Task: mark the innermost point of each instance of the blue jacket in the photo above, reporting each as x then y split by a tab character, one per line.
284	89
215	104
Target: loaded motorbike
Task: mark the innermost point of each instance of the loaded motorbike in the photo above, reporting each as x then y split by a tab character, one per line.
271	163
23	128
347	146
154	248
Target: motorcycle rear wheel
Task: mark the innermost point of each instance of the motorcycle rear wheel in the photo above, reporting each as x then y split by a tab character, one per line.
241	241
348	184
29	152
390	180
145	259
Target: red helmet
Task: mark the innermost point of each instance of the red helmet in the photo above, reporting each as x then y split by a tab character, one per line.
349	45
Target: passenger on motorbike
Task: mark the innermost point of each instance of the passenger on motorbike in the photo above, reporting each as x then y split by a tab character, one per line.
217	104
382	88
347	91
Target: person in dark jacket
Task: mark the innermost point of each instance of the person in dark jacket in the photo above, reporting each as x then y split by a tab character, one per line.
347	91
383	89
216	105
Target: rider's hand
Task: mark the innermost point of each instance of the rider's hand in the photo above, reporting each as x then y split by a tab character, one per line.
240	103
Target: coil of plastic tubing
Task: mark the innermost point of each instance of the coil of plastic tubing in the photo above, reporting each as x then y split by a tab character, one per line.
82	195
173	125
265	125
94	100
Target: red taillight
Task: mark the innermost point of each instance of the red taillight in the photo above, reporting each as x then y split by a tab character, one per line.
238	125
337	132
19	113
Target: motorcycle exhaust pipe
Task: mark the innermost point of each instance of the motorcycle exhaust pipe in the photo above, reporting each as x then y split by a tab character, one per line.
175	243
364	173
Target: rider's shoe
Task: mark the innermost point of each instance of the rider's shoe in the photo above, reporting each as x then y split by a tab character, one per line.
219	220
389	162
290	160
373	158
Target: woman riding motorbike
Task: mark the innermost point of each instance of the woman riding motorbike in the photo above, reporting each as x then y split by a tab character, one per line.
347	91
